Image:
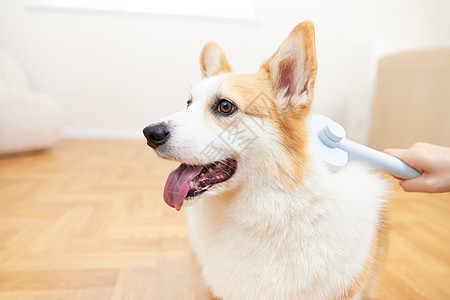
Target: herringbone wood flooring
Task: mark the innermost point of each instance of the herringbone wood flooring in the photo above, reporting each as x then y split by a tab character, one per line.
86	220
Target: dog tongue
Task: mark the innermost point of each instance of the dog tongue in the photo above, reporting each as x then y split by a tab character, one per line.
177	184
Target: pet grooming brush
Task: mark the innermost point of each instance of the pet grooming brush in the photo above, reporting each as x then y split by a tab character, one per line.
329	139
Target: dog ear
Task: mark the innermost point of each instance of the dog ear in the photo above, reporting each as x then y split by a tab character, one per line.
293	68
213	60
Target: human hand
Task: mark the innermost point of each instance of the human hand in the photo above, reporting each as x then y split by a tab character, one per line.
432	161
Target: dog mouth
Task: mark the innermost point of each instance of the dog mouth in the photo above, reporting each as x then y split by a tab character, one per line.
188	181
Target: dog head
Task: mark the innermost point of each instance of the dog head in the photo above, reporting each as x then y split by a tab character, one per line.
241	127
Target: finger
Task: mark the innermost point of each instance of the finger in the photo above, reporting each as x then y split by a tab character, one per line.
419	184
399	153
404	155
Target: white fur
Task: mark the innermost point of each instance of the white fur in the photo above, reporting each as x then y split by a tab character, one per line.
189	133
256	238
268	243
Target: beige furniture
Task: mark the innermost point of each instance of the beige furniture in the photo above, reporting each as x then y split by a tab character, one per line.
29	120
412	100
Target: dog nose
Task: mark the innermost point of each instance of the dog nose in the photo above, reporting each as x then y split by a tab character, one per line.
156	134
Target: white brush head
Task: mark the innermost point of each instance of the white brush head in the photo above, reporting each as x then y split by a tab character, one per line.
325	136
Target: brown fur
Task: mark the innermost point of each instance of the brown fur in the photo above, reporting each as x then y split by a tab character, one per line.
254	96
291	120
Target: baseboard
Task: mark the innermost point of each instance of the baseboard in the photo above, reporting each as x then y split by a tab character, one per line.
102	133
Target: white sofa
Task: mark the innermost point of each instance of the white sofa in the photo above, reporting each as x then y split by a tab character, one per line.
29	120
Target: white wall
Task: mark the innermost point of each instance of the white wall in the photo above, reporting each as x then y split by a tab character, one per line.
115	73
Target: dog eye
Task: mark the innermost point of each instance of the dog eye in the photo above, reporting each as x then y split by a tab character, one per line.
226	107
188	103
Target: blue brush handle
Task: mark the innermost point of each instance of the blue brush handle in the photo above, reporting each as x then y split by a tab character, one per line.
330	139
378	160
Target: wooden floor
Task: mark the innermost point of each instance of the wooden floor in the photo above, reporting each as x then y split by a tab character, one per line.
86	220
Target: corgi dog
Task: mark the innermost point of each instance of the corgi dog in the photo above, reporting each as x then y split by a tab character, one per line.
266	218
